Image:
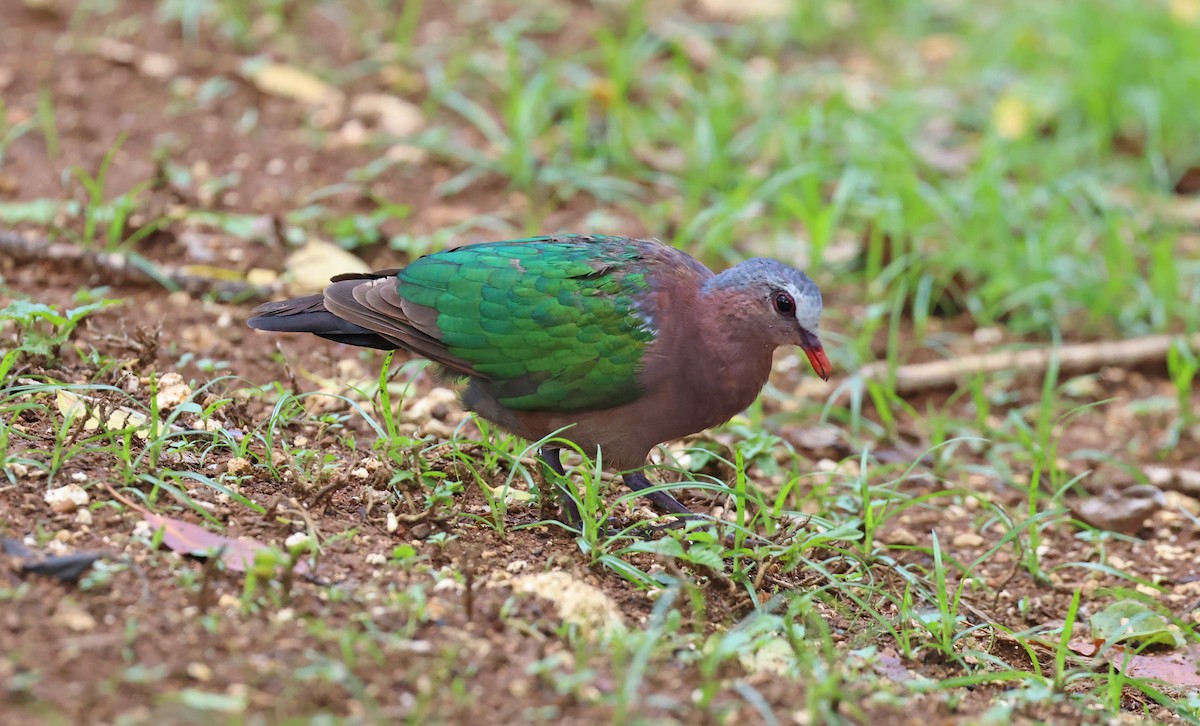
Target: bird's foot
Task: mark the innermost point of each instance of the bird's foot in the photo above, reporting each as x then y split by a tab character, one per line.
662	500
730	539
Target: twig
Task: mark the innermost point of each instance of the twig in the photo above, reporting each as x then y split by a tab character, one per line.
113	493
326	491
129	268
1075	358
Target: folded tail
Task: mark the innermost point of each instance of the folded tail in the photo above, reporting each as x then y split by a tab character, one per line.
308	315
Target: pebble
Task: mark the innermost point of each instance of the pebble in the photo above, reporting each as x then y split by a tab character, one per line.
74	618
900	536
66	498
172	391
238	466
200	672
967	539
1124	510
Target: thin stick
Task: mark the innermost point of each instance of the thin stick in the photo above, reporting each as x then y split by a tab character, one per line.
1033	362
127	268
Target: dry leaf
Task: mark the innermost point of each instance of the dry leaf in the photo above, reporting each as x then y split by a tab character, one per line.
291	82
148	63
1012	116
70	405
124	418
192	539
1185	11
73	617
309	268
511	495
287	81
1169	478
211	272
261	277
1177	668
743	9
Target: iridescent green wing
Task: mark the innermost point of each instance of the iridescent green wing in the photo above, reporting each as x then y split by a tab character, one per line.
552	323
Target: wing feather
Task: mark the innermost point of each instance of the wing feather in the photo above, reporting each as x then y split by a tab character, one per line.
546	324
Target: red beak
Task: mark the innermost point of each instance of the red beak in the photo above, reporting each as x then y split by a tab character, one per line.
816	354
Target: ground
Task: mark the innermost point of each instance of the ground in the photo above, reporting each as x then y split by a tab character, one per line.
1011	544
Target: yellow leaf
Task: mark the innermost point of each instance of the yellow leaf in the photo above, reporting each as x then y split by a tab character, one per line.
122	418
261	277
1011	116
310	267
742	9
511	495
69	404
287	81
1185	11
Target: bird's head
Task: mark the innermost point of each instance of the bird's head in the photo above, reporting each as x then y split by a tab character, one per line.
776	303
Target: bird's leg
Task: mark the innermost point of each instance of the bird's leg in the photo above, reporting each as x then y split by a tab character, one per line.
570	510
638	482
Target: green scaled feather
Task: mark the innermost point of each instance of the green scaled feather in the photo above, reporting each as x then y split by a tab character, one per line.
550	323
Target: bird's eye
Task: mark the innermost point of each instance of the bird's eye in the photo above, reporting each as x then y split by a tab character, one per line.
784	304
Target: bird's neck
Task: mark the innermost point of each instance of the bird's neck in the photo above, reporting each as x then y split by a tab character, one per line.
701	370
740	357
727	315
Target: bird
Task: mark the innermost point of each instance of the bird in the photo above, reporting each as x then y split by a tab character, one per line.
612	343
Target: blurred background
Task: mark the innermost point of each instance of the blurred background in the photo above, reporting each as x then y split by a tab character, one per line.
1029	165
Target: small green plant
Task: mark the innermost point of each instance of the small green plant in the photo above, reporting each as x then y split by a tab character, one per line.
47	121
41	330
10	132
1183	365
109	216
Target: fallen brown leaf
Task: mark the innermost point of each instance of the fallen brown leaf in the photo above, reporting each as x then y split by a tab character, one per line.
192	539
1177	668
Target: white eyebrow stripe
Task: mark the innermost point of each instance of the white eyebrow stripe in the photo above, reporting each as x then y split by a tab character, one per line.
808	308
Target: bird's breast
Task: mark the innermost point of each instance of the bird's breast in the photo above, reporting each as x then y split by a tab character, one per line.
710	391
